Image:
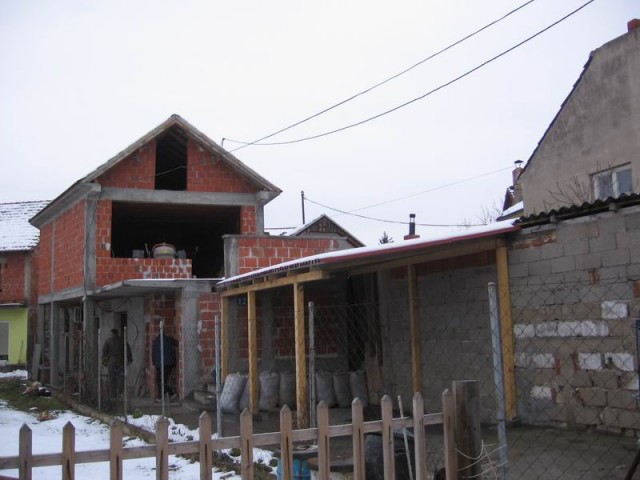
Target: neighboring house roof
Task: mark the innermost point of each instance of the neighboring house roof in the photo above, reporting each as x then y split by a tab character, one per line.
16	234
574	211
513	211
324	224
378	253
174	120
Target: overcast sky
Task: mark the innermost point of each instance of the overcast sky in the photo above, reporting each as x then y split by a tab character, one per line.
82	80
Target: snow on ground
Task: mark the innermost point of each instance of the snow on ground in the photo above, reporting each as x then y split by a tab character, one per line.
21	374
93	435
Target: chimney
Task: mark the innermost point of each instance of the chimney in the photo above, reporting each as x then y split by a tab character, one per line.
633	24
517	186
412	228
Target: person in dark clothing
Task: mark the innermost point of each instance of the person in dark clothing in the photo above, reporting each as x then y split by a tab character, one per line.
168	354
113	359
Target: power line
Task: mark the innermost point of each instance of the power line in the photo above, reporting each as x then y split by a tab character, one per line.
367	90
386	220
425	95
433	189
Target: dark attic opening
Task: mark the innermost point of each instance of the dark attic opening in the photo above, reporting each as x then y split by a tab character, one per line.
171	160
195	232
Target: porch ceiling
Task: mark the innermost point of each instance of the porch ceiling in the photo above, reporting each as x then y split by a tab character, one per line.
137	288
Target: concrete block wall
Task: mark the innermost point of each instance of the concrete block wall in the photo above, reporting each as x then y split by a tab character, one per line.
575	300
454	330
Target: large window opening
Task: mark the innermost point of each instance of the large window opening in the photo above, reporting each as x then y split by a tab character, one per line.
194	230
171	160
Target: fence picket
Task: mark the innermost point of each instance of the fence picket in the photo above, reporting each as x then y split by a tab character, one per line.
162	449
25	451
26	461
115	450
204	427
286	447
388	451
419	443
357	419
323	441
246	442
68	451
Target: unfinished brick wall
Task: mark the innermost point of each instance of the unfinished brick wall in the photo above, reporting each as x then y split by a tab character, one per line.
256	252
13	277
138	170
67	232
156	308
206	172
209	307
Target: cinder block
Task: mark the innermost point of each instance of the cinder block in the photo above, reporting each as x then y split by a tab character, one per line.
563	264
625	399
542	267
614	309
587	415
622	361
590	361
581	379
618	417
593	329
524	331
592	397
539	392
605	379
542	360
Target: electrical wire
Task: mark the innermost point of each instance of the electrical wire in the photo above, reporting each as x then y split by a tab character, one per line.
379	84
430	92
383	220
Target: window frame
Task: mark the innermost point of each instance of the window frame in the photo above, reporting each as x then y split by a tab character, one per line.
610	175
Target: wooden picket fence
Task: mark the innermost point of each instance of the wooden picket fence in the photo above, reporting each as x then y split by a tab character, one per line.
26	461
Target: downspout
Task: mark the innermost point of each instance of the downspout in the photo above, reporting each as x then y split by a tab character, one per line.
51	303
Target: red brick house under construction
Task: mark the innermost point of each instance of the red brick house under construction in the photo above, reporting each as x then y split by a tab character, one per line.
96	264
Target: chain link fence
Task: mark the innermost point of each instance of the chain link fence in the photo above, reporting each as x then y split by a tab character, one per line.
556	365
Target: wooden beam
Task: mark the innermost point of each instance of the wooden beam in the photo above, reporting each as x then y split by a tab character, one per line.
224	338
414	321
252	329
506	327
302	395
266	284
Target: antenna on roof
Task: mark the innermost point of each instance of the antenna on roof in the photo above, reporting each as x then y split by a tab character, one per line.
302	198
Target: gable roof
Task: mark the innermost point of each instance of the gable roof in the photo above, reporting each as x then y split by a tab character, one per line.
16	234
84	185
198	136
324	224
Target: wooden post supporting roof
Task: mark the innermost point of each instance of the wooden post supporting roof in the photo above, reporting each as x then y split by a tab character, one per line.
506	327
414	320
252	329
302	395
224	338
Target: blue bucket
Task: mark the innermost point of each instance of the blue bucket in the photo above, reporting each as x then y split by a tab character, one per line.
300	469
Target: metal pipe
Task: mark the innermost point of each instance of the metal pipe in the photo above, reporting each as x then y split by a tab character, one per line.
218	343
302	199
162	364
99	371
125	370
496	343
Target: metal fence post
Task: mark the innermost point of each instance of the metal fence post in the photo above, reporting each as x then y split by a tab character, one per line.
99	370
496	343
125	371
218	344
162	364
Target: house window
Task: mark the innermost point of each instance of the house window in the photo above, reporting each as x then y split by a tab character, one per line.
4	340
612	183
